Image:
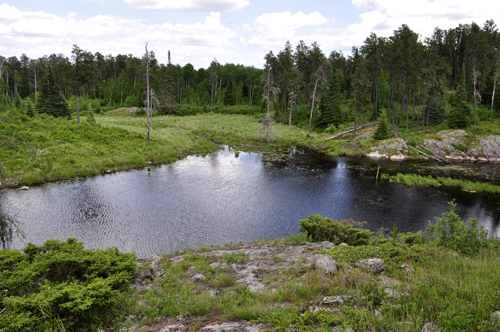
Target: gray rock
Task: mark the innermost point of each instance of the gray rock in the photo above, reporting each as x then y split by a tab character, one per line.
230	327
431	327
345	329
490	146
374	265
218	265
495	317
198	277
192	270
407	268
328	244
142	273
173	328
343	245
378	314
338	300
155	263
214	293
326	263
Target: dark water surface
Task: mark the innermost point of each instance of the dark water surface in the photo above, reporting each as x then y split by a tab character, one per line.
203	201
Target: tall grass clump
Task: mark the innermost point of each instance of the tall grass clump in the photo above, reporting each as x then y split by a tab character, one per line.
415	180
338	231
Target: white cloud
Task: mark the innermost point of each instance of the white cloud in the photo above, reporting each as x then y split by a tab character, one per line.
9	12
40	33
189	5
423	15
275	29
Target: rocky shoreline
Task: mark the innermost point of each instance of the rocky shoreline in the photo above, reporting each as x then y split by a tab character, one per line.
257	262
450	145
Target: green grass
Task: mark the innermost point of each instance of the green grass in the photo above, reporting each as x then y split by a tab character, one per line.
71	149
429	181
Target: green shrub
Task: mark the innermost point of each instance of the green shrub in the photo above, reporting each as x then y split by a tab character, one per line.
61	284
451	232
338	231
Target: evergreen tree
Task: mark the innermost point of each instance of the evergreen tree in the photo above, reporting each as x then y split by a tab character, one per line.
460	112
382	131
228	95
329	104
51	101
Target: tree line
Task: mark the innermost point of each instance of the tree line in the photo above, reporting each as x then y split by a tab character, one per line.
414	80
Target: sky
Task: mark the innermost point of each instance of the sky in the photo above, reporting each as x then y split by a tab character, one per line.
232	31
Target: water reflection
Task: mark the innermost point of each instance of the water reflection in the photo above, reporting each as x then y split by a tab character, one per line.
200	201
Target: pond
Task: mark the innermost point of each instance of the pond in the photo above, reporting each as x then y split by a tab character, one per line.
220	198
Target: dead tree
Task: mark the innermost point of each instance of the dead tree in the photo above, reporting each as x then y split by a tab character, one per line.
320	80
270	94
147	93
477	95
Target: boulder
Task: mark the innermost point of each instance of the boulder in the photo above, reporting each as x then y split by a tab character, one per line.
24	188
326	263
376	154
431	327
490	146
338	300
374	265
198	277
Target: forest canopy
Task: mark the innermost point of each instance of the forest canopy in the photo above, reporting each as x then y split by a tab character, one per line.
417	80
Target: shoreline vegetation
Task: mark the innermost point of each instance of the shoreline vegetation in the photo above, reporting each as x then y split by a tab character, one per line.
333	276
429	181
63	149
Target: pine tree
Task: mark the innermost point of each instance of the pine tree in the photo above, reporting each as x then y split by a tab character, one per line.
382	131
460	112
51	101
329	104
228	95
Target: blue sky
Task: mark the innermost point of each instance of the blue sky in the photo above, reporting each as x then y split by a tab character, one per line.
233	31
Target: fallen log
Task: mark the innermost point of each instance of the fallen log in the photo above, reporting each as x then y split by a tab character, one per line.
349	131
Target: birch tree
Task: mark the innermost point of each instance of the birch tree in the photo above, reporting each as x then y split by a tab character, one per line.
497	58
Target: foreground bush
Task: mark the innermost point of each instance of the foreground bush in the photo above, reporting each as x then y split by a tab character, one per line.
326	229
61	286
451	232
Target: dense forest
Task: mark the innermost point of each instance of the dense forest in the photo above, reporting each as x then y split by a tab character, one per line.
447	78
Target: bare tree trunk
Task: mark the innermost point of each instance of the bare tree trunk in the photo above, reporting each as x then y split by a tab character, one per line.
290	118
312	107
493	94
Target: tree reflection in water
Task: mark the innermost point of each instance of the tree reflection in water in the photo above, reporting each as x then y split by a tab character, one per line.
9	227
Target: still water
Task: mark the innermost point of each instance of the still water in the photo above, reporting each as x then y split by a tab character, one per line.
218	199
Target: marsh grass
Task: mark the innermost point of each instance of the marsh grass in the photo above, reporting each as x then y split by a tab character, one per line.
429	181
66	149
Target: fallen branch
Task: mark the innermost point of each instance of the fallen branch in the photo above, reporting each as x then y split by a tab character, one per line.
178	128
425	154
349	131
16	142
